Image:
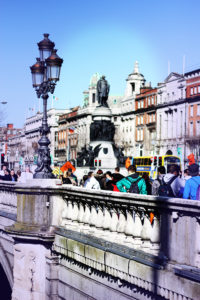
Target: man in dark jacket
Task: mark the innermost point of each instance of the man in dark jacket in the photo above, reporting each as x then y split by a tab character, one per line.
124	184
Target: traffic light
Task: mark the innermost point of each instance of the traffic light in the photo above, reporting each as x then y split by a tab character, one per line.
2	158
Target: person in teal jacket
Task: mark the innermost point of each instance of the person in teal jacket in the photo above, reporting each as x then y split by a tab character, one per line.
124	184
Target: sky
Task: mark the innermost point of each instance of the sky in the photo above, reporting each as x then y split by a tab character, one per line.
91	36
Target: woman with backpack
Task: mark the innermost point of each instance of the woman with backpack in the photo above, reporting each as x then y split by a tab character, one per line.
133	183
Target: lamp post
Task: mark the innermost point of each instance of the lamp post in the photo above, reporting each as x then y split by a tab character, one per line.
45	74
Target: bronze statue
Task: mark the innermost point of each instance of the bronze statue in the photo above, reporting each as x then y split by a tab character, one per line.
102	91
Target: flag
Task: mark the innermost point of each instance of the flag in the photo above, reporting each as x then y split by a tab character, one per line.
55	98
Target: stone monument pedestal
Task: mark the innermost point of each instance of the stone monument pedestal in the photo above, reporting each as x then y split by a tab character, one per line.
102	132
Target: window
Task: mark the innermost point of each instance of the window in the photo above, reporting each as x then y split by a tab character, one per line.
138	104
152	101
199	89
191	91
142	104
93	98
149	101
141	119
141	134
195	90
138	134
133	87
198	128
198	110
115	119
191	128
138	120
150	119
191	111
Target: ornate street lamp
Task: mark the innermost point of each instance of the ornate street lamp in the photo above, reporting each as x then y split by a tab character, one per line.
45	74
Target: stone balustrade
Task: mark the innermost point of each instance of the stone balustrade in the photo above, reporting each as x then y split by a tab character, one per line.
138	239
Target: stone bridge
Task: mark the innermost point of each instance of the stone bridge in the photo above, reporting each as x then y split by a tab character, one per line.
63	242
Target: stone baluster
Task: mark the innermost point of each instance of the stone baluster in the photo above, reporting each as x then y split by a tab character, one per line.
146	234
155	236
64	213
74	215
92	219
106	222
129	227
114	220
99	221
68	220
80	213
137	228
86	217
121	227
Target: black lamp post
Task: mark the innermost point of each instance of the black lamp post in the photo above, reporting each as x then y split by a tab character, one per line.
45	74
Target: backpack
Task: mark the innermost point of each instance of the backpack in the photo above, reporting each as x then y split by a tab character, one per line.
198	190
134	186
165	189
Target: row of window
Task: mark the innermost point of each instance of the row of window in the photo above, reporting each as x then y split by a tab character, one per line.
192	110
146	102
149	119
195	90
140	134
192	128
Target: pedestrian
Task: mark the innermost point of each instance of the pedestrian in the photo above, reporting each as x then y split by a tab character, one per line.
19	173
186	174
192	184
13	175
2	172
99	177
172	185
125	184
72	177
117	174
157	182
91	182
145	176
7	176
68	178
27	175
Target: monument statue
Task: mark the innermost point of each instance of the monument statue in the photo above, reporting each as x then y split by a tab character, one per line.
102	91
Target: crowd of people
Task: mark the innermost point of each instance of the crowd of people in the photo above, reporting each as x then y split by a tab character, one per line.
10	175
172	184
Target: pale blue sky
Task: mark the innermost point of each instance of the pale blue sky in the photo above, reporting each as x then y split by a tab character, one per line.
93	36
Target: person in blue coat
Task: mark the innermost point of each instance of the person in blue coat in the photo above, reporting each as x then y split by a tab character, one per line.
192	184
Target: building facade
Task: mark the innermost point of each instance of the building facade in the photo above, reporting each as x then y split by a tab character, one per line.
145	121
193	120
171	116
24	146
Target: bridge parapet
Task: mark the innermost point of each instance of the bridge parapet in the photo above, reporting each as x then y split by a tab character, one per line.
151	243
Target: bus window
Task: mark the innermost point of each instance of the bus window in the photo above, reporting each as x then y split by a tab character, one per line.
170	161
